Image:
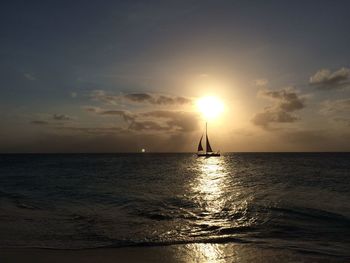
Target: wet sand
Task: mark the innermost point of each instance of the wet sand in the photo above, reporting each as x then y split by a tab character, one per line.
211	253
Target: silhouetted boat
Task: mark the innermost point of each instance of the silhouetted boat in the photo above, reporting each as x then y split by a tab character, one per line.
208	150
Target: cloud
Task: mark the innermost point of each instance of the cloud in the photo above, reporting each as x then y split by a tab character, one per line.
286	101
139	97
157	99
52	120
61	117
101	96
324	79
142	98
178	120
91	109
39	122
161	120
171	121
335	106
126	115
73	94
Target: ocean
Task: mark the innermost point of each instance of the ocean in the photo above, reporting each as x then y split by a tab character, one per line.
295	202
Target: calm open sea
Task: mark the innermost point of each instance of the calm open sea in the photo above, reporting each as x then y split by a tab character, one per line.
292	201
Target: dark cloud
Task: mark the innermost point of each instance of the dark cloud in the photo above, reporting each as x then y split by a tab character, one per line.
139	97
324	79
178	120
39	122
161	120
154	99
166	100
62	117
55	119
286	101
157	99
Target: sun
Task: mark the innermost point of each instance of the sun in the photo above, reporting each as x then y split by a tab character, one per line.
210	107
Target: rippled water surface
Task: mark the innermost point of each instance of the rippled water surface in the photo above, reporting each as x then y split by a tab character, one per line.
295	201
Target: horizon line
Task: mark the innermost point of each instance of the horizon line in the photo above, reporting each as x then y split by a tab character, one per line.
229	152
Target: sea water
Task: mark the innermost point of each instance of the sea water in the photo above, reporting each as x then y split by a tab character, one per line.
299	202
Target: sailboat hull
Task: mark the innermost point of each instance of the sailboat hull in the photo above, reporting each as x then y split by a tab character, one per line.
207	155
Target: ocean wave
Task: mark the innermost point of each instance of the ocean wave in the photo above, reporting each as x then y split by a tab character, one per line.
271	200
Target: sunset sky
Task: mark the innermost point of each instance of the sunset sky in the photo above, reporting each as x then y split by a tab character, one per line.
119	76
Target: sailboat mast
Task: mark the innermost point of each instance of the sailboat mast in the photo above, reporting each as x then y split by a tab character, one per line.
206	137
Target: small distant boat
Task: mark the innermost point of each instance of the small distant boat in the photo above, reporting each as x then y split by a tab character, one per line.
208	150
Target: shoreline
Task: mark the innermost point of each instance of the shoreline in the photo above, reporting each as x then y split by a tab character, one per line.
195	252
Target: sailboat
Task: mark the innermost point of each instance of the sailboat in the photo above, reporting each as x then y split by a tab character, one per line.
208	151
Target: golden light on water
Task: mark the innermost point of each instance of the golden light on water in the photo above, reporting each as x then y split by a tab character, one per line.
210	183
218	194
210	106
209	188
209	253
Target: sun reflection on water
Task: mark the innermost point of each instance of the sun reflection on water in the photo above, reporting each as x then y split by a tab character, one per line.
218	195
210	184
209	253
215	194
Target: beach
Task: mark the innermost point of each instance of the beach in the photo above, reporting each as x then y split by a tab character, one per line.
211	253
